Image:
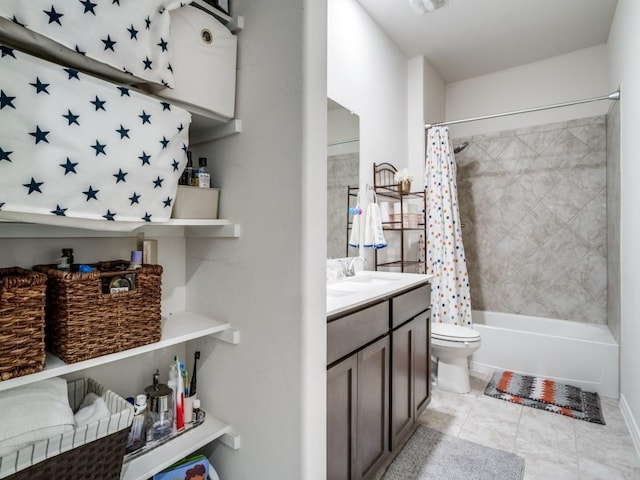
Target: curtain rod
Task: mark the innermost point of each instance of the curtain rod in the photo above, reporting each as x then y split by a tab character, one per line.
612	96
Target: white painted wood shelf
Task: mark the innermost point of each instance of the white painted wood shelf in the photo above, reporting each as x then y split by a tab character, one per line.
213	228
177	328
156	460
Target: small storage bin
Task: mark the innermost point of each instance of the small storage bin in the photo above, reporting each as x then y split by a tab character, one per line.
22	301
194	202
82	322
92	451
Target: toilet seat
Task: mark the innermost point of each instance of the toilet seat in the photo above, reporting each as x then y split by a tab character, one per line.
454	333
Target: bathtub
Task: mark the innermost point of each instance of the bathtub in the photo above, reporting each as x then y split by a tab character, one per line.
581	354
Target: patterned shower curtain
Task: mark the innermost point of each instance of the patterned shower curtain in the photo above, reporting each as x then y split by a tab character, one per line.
450	298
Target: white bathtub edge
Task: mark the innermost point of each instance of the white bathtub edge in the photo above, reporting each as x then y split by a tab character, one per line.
632	426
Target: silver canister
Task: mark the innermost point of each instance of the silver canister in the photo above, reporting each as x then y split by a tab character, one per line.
159	410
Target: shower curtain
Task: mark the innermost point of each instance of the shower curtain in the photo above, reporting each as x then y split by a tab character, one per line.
450	298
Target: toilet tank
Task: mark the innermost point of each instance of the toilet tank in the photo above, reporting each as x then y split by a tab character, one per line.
203	62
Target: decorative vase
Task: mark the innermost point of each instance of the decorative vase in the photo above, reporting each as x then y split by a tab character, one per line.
405	186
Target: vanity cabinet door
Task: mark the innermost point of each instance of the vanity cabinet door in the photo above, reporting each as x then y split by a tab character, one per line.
342	397
358	413
422	362
410	376
373	408
402	388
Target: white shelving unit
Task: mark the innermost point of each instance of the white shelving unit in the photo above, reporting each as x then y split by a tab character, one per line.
176	329
219	228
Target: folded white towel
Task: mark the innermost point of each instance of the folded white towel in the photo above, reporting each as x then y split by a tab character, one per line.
373	233
354	239
92	409
34	412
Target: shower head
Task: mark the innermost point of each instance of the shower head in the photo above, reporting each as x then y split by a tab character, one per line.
459	148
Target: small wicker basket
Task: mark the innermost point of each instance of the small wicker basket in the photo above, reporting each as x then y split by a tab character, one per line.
82	322
22	301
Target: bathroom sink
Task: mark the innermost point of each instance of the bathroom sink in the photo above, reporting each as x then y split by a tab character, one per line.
375	279
336	292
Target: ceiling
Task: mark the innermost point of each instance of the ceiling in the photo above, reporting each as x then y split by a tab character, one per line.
467	38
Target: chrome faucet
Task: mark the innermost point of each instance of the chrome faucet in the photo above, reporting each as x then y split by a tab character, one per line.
349	270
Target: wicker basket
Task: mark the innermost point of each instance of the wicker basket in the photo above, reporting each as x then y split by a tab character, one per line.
82	322
93	451
22	300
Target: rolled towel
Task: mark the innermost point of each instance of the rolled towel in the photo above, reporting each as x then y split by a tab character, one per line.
34	412
92	409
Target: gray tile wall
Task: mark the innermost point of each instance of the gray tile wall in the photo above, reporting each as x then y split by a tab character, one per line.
613	219
533	205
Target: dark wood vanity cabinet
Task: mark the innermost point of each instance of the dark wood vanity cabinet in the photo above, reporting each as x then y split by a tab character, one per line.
377	381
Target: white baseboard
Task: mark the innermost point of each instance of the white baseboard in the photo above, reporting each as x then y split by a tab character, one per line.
634	431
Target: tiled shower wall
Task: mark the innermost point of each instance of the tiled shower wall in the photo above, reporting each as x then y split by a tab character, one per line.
533	209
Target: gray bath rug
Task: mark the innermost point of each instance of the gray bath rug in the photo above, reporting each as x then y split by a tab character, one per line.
432	455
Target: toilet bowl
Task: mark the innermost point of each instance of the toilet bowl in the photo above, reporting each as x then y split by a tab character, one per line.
452	345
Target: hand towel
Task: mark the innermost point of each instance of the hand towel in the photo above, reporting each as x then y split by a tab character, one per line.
34	412
92	409
373	233
354	239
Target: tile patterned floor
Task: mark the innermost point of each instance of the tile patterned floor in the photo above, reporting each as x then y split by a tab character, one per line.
555	447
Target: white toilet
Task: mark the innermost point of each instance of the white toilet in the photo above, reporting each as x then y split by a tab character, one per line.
452	345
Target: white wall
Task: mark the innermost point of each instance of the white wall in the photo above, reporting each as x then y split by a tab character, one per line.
367	74
624	44
343	132
573	76
269	283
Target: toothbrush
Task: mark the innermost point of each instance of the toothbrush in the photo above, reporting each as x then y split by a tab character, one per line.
194	381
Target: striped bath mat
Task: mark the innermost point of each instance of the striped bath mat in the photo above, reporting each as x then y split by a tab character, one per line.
546	395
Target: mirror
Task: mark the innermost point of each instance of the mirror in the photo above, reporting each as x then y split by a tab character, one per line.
343	170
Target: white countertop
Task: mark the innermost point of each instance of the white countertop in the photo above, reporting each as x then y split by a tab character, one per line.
368	286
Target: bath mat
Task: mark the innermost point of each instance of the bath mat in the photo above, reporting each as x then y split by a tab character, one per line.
547	395
432	455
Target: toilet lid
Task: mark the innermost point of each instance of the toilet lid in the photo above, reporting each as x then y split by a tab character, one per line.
445	331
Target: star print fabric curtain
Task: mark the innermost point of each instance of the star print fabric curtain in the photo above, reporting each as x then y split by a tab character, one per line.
75	146
450	298
130	35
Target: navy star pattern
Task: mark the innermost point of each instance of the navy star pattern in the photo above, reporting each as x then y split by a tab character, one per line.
139	28
89	7
59	211
6	51
7	101
33	186
54	17
98	138
99	104
40	135
40	86
69	166
71	118
108	43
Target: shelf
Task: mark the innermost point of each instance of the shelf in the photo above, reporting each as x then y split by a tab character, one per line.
172	228
152	462
177	328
